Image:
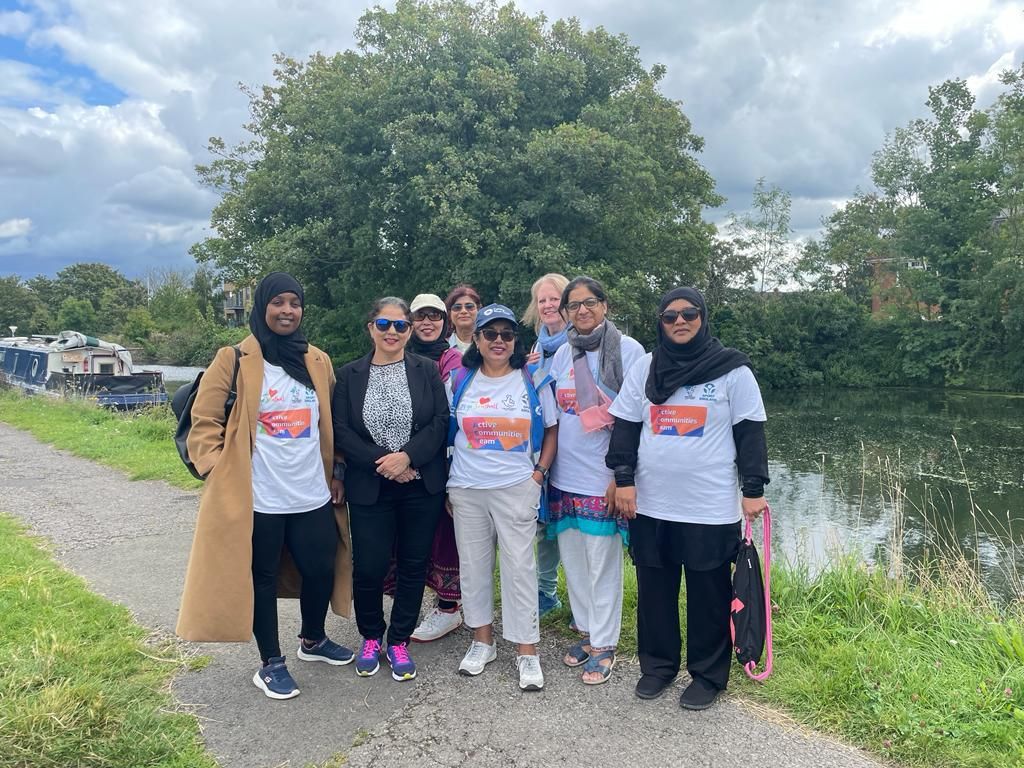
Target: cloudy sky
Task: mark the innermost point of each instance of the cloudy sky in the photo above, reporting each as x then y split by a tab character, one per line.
106	105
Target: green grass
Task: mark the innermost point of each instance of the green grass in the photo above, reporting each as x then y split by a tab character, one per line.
922	669
141	442
81	683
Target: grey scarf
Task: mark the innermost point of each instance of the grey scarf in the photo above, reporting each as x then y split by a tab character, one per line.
608	339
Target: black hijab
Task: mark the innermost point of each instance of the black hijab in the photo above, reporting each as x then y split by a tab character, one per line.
701	359
289	351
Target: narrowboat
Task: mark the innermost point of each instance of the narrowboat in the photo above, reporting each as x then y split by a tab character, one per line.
73	364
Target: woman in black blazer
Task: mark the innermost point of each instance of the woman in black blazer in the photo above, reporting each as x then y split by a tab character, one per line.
390	423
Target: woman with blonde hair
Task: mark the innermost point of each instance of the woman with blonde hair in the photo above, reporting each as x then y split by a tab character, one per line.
550	325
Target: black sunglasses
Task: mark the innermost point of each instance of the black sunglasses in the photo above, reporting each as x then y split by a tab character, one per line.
469	306
669	316
382	324
427	314
490	334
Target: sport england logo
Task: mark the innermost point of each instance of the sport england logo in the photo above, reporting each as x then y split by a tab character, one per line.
709	392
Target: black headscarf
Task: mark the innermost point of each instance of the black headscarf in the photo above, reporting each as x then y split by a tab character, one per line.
289	351
701	359
431	349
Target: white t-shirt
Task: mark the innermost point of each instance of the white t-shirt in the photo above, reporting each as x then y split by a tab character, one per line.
492	446
287	468
686	468
579	464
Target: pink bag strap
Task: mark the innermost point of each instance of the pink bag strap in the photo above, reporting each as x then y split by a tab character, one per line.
766	548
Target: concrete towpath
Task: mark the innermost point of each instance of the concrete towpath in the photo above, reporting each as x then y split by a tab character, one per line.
130	541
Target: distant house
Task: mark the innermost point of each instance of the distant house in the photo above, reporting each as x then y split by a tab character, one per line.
237	304
886	291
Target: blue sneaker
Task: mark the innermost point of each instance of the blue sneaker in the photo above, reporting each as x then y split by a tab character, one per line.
547	603
326	650
368	661
275	681
402	665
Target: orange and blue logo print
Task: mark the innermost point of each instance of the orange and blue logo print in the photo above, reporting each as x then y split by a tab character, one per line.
679	420
490	433
287	425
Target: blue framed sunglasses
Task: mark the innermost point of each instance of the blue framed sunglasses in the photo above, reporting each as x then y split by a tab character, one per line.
382	324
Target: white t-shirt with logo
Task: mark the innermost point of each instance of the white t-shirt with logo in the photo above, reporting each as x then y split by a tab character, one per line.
686	467
287	468
579	464
492	447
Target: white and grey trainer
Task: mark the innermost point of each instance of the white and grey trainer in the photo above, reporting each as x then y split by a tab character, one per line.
530	676
477	657
436	625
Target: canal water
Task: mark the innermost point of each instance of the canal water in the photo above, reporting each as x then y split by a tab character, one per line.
851	468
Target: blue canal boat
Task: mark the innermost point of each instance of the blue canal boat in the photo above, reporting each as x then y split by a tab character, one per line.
73	364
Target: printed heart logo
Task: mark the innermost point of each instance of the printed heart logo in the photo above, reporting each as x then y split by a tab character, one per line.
273	393
484	400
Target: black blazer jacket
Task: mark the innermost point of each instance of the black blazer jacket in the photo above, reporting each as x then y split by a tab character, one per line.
426	446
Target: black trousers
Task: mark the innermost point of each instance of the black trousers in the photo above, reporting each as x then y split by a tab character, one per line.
401	523
663	552
312	541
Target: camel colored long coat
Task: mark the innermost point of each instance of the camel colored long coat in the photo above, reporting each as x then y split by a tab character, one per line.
217	603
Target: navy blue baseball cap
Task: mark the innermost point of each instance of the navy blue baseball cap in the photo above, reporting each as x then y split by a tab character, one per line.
493	312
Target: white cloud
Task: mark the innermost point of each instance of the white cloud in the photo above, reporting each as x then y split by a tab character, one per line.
14	23
15	228
799	93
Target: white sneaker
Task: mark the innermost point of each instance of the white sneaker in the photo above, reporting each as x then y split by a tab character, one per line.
477	657
530	676
436	625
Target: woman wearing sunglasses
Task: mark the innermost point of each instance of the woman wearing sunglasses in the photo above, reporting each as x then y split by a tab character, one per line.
588	373
503	443
463	303
689	456
390	422
429	339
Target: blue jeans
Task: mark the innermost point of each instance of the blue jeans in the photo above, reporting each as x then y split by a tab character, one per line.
547	562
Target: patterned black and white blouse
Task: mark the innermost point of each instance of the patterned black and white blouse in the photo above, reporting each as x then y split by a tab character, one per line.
387	410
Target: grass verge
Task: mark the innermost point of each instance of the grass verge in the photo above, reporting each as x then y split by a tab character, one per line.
81	684
141	443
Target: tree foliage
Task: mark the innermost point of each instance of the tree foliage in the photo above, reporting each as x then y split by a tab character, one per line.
462	142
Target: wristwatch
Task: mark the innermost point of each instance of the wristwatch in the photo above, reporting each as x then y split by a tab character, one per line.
339	471
542	469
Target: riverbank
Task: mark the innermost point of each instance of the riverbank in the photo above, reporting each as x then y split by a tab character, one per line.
914	670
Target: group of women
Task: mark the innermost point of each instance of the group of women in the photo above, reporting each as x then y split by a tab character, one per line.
449	438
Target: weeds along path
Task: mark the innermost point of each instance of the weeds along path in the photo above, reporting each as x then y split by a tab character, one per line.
130	541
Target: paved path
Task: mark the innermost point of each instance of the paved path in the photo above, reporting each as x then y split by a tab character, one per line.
130	541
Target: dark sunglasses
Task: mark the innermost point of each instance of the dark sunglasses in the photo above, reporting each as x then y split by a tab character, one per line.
428	314
669	316
490	334
469	306
382	324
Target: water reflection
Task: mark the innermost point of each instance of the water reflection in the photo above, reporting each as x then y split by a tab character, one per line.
842	462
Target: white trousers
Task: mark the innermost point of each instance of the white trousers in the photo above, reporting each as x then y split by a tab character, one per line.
593	573
508	517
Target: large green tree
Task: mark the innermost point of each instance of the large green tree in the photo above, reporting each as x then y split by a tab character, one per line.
462	142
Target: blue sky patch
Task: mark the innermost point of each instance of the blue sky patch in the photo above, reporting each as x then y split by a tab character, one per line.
55	71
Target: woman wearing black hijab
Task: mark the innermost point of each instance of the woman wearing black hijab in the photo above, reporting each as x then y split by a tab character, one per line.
268	466
689	456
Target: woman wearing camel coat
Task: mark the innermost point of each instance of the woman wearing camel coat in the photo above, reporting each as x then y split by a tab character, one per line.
218	600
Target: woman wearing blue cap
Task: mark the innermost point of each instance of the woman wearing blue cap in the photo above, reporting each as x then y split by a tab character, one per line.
504	436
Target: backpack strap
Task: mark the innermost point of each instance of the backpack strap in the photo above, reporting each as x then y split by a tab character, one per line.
460	379
229	403
536	415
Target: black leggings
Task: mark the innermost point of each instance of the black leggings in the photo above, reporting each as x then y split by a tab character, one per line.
312	540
